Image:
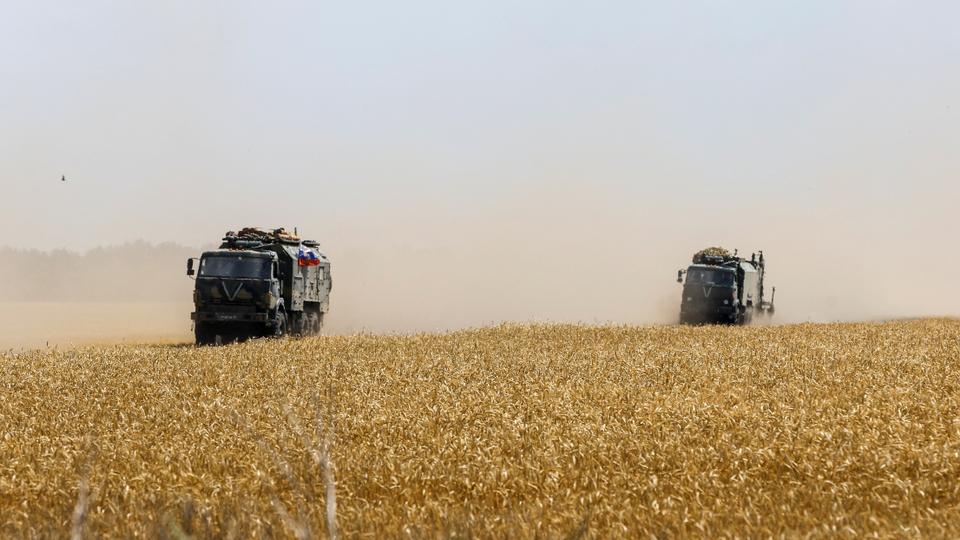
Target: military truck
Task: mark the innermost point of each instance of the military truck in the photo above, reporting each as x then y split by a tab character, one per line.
259	283
722	288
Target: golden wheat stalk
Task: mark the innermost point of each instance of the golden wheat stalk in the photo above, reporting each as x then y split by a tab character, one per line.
516	430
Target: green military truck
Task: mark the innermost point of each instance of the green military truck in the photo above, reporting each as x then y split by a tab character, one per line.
259	283
721	287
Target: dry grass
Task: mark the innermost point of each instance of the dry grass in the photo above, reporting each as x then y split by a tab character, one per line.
849	429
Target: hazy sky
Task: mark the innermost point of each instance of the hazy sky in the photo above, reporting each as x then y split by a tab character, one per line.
540	132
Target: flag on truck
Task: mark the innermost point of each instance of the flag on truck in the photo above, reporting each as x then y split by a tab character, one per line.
307	257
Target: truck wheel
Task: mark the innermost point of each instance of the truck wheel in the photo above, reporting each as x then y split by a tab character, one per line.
280	327
203	334
295	323
317	324
302	325
312	323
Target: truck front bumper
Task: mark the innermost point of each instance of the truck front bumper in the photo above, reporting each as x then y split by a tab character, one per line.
220	316
718	314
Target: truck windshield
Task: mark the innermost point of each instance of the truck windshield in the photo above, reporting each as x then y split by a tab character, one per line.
235	267
710	276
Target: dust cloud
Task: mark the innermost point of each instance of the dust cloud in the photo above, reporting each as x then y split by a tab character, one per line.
555	254
53	324
130	292
599	258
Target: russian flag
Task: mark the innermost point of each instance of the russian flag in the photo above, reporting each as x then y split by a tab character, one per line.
307	257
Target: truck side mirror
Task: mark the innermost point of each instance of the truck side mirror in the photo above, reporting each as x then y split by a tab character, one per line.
190	271
679	276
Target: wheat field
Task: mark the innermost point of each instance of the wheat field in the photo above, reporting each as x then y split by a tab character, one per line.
848	430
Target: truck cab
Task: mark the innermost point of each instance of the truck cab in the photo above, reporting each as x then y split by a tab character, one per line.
710	294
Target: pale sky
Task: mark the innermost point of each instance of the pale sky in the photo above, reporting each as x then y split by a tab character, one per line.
805	128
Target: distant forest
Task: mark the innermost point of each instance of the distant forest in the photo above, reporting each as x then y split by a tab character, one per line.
134	272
